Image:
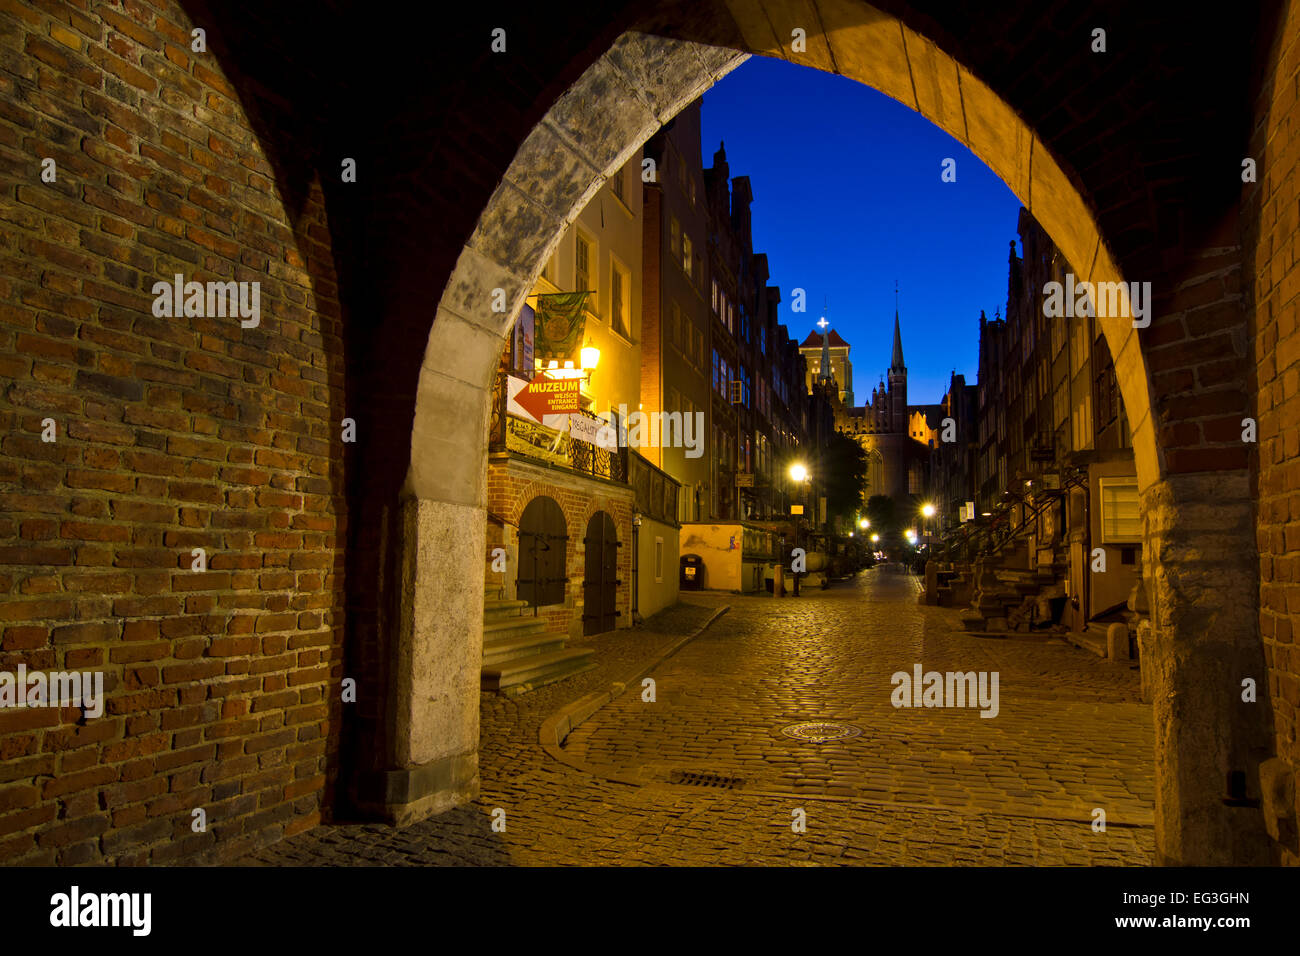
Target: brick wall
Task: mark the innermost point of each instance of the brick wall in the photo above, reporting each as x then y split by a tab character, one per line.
1272	230
513	484
172	434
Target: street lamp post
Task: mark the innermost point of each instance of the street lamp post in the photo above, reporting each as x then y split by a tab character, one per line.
927	511
799	474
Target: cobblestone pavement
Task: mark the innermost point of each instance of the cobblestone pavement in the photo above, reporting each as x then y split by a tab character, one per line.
1069	734
925	786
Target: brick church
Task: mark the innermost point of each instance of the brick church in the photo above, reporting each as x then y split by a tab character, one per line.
897	437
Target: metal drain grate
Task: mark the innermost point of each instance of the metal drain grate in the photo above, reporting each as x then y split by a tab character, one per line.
820	731
699	778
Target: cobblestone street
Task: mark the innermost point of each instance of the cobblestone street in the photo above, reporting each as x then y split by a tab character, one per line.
919	786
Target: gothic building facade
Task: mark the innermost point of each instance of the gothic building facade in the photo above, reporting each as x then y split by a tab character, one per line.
896	436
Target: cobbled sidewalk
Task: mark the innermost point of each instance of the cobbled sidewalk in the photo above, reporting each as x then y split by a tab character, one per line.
922	787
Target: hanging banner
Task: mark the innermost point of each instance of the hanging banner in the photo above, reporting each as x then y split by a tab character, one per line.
559	325
524	328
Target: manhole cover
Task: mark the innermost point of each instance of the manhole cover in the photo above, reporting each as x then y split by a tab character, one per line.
820	731
699	778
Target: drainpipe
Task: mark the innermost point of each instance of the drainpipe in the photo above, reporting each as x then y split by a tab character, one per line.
636	555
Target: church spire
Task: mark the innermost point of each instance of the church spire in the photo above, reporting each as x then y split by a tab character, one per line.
896	363
827	373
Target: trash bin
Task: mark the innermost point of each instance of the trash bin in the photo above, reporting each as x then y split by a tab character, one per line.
692	576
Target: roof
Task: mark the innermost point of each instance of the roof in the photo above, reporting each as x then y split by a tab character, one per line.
814	340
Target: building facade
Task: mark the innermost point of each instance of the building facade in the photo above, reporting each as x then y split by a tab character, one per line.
566	507
1051	452
896	436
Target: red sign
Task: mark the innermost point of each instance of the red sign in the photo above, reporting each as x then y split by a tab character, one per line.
550	396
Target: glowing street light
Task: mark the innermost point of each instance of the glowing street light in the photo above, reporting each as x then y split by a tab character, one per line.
798	472
911	536
928	510
863	523
875	538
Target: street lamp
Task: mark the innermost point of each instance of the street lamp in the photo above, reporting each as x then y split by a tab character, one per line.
927	510
864	524
799	474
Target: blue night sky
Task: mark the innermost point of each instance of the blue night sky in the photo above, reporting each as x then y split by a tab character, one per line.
847	198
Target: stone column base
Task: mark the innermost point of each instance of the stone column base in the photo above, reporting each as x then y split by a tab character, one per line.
402	797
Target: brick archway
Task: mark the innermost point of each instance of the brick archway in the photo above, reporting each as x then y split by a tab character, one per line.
639	83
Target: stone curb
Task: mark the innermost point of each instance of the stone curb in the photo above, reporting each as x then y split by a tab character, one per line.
571	716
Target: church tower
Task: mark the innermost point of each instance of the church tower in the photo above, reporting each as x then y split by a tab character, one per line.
897	384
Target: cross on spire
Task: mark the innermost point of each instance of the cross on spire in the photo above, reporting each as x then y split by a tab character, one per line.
822	323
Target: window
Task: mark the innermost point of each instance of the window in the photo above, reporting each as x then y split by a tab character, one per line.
659	559
582	270
674	238
714	299
717	371
1120	517
688	257
620	292
617	187
675	330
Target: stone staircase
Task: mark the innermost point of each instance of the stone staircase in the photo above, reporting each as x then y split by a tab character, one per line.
1006	595
518	654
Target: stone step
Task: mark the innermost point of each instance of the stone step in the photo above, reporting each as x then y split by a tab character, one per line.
517	677
512	628
509	650
504	610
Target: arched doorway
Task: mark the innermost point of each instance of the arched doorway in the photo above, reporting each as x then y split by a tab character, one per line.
640	83
543	544
600	578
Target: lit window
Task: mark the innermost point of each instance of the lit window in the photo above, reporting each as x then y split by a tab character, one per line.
688	259
1120	516
674	238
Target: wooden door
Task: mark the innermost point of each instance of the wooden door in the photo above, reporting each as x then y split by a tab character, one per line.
600	580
